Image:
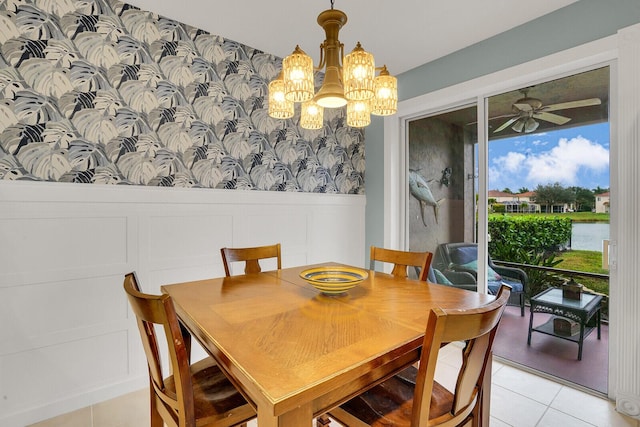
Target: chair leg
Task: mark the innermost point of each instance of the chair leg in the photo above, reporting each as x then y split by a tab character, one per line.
322	421
186	336
522	304
156	419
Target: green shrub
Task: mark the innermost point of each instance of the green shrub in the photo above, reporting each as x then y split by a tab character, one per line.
515	237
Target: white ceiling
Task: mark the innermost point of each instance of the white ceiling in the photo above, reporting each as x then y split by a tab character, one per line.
402	34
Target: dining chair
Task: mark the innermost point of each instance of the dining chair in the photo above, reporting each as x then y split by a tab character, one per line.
413	397
250	256
192	394
186	335
401	261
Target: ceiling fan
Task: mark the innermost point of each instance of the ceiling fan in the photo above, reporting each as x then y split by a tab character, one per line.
526	110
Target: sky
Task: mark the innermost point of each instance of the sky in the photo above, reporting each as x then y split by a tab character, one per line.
573	157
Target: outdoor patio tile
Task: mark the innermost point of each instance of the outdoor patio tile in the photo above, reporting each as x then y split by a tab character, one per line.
532	386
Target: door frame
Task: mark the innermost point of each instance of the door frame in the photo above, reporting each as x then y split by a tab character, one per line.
603	52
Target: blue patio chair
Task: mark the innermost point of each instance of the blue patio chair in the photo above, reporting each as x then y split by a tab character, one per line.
457	264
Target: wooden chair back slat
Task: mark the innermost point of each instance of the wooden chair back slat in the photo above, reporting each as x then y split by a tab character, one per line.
401	261
251	257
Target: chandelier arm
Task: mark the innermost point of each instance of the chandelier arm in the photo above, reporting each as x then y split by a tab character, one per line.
322	58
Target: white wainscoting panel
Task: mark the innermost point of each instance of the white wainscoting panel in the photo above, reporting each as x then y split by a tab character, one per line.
68	336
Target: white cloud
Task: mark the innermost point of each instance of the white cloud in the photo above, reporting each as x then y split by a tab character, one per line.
563	162
538	142
512	162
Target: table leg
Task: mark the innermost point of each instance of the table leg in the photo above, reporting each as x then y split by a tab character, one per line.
323	421
530	326
581	340
302	416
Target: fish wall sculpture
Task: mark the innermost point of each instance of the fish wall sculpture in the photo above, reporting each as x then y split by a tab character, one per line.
419	189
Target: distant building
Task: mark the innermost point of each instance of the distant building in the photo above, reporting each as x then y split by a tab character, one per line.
515	202
602	202
525	202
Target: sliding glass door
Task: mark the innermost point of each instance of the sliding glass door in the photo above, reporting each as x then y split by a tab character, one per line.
545	159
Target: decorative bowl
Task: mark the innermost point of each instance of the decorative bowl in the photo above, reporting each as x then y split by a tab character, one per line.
334	280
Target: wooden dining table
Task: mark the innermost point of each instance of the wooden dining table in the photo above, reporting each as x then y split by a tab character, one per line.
296	353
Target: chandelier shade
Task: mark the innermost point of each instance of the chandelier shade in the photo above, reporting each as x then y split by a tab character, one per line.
348	80
358	113
385	100
279	106
311	115
297	70
359	72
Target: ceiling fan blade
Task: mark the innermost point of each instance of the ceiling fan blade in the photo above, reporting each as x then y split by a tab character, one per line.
502	116
523	107
572	104
550	117
506	124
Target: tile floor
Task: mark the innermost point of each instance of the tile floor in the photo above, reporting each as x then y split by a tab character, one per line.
518	399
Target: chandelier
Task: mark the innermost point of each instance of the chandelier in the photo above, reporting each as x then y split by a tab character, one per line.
348	80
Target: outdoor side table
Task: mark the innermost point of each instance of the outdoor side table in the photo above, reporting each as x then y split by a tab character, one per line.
581	311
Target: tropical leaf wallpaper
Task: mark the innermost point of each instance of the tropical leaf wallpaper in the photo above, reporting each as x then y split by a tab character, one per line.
101	92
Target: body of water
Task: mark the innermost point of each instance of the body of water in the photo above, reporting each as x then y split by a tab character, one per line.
588	236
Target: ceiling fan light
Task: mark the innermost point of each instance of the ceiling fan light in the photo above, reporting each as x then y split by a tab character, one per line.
358	113
311	115
530	125
518	125
385	101
358	73
279	106
297	70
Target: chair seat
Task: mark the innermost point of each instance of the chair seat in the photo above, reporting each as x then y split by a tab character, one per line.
389	403
214	395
